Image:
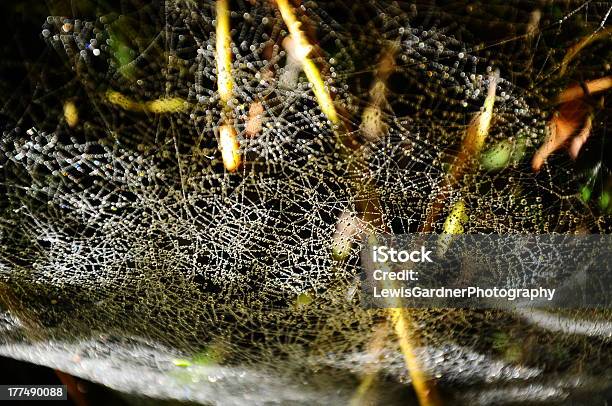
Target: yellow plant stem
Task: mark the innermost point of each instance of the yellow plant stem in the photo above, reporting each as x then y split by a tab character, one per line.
302	49
228	144
223	53
158	106
473	143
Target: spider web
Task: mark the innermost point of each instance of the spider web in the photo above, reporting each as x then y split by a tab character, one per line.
131	257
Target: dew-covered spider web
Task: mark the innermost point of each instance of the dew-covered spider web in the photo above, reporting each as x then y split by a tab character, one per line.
133	256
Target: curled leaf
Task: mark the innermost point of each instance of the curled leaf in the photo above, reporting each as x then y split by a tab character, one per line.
570	117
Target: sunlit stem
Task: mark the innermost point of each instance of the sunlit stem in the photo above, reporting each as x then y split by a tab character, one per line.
475	137
455	220
360	396
223	52
402	323
71	113
167	105
425	390
400	317
484	119
301	50
158	106
229	147
454	224
426	393
401	320
223	55
476	133
592	86
474	141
